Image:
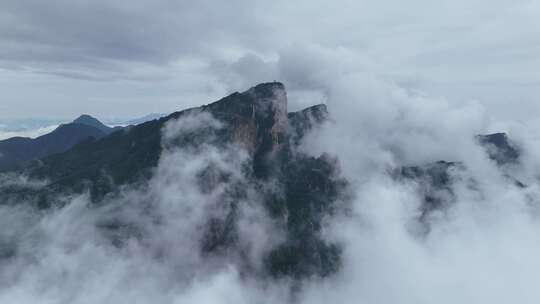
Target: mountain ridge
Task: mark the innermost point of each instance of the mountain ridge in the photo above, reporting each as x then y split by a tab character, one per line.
18	151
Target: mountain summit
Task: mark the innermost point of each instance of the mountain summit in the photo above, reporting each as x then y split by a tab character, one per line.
92	122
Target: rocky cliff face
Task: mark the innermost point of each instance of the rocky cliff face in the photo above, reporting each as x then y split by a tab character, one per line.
305	189
257	120
303	121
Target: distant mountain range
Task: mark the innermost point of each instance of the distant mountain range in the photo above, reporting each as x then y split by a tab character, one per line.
86	155
27	127
16	152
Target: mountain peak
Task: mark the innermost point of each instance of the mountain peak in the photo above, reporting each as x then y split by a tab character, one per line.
270	91
269	88
88	120
85	118
500	148
270	111
495	138
319	112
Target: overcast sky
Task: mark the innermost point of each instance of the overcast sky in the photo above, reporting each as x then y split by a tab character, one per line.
60	58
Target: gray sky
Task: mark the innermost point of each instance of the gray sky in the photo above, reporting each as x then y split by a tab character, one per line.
60	58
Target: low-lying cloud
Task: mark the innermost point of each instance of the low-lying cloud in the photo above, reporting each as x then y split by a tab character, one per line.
32	133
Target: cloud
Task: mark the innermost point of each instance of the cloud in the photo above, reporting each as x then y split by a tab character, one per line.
477	250
32	133
188	53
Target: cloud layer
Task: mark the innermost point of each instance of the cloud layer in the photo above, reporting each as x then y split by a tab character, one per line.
158	56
